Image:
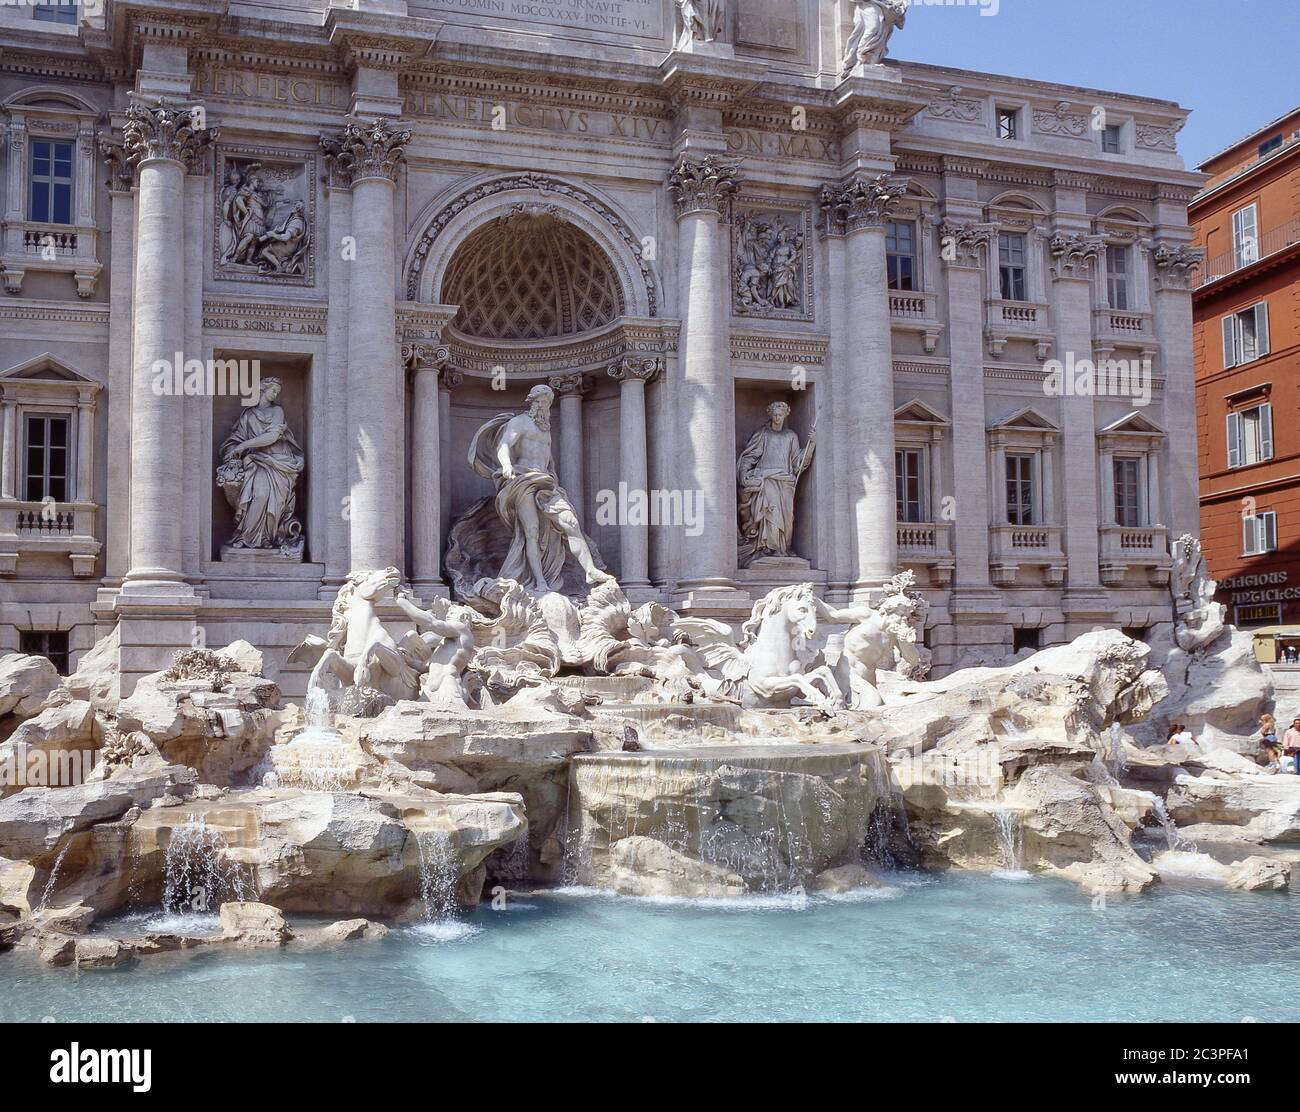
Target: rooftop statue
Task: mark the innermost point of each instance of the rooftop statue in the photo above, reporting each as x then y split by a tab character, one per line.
702	21
874	22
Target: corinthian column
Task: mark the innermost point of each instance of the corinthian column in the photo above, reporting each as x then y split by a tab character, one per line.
569	389
161	144
858	210
369	158
426	469
706	433
632	374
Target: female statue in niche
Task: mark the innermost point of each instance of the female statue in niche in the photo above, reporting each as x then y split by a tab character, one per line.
769	471
260	465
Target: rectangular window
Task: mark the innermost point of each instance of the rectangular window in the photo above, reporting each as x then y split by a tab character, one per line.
1117	277
64	11
1020	489
1270	145
1008	123
49	643
1250	435
46	452
1245	236
51	182
1128	493
1012	254
909	478
1245	335
900	254
1112	139
1259	534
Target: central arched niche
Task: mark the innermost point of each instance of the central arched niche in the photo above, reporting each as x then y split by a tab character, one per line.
530	275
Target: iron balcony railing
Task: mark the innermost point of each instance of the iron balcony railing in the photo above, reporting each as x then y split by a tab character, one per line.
1250	253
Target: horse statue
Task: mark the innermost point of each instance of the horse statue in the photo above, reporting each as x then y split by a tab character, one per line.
767	667
359	652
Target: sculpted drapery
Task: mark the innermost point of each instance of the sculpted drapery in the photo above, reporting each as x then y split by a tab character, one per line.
768	472
261	462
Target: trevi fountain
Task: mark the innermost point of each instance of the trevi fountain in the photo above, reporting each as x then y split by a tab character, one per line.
537	776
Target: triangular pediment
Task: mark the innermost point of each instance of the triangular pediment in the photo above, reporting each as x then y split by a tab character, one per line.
46	368
1026	420
1137	423
918	413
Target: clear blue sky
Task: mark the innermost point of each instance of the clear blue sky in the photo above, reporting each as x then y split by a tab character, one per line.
1235	63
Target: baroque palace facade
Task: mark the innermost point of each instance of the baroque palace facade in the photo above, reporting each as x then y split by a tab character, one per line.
400	216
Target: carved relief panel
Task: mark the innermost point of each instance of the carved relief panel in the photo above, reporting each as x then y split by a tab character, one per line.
771	252
265	221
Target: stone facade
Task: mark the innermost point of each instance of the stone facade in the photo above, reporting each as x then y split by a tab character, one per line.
410	212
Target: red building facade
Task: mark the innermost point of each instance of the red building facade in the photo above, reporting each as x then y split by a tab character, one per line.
1247	343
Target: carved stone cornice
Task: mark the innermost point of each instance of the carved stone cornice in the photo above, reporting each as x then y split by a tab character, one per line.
1176	265
704	185
564	385
164	130
960	244
636	368
1074	255
359	153
862	202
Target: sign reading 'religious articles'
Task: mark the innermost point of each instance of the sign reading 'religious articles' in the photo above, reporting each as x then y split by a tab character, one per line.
640	18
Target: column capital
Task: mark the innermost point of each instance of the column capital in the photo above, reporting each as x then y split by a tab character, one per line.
1075	254
704	185
635	368
419	358
359	153
567	385
960	244
863	201
166	130
1176	265
449	379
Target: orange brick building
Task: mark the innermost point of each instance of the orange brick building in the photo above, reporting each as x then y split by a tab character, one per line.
1247	343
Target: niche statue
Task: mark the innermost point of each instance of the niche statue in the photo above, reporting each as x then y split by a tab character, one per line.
260	465
768	472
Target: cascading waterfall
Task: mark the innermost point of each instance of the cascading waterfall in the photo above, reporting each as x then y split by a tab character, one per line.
315	758
54	876
198	876
1010	841
1173	840
888	820
438	875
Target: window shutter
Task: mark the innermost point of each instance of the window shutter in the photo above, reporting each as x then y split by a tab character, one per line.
1261	328
1234	439
1229	342
1266	431
1247	535
1270	532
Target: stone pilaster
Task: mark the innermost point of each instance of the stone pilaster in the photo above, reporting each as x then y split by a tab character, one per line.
858	208
1176	267
368	158
706	434
161	143
964	248
426	469
117	526
1074	256
633	374
569	389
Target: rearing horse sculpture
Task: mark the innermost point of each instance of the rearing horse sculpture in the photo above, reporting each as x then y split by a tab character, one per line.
767	668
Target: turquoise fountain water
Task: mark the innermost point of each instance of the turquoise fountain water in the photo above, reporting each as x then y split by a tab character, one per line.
966	948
